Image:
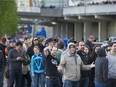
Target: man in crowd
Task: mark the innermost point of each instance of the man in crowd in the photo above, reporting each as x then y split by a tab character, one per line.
52	77
84	81
71	63
90	41
30	51
2	47
112	66
15	59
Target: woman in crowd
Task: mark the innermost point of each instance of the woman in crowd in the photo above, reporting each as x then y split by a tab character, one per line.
37	69
92	59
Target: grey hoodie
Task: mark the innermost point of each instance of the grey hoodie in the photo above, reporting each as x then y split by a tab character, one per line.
111	65
101	67
71	66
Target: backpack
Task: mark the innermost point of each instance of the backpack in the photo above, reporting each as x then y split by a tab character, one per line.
25	64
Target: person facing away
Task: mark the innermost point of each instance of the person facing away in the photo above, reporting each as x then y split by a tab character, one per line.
37	68
112	66
101	69
15	60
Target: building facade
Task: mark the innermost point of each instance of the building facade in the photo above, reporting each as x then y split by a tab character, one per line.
78	19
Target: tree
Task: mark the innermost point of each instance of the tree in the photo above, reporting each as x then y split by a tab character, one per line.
8	17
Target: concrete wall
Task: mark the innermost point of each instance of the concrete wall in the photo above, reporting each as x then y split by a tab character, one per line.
64	30
94	30
111	29
78	31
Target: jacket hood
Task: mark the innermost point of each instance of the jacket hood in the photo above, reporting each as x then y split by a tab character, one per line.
71	44
101	52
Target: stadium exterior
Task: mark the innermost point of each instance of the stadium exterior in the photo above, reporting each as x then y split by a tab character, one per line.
72	18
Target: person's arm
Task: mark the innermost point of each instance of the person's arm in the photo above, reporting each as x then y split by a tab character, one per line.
105	70
46	51
10	57
32	67
86	67
62	63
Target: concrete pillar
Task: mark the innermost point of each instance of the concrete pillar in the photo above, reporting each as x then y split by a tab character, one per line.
102	31
54	31
87	30
33	30
66	30
78	31
63	30
70	31
115	29
59	30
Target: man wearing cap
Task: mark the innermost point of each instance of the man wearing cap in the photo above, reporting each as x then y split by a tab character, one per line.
72	64
30	49
7	50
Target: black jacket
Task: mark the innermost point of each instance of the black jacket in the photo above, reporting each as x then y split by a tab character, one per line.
84	58
90	44
2	48
30	51
1	61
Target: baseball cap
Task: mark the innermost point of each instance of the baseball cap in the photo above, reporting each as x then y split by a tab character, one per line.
35	39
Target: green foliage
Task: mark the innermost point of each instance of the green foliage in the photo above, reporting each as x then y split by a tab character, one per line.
8	17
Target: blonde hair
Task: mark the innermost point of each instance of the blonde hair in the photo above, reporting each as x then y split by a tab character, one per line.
36	47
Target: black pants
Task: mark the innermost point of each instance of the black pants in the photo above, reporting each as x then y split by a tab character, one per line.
112	82
26	77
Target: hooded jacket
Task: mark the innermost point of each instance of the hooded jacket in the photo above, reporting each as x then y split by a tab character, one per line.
30	51
72	64
101	67
37	65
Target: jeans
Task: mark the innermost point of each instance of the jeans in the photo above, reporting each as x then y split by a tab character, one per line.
112	82
68	83
38	80
15	77
1	78
53	82
97	84
84	82
26	79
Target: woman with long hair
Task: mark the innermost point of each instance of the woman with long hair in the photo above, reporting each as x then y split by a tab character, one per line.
92	59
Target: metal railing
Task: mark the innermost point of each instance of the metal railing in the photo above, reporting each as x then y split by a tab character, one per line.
90	2
40	3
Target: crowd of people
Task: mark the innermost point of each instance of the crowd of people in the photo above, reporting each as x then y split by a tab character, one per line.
55	62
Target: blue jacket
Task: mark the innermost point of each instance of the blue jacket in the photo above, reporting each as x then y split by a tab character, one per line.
37	65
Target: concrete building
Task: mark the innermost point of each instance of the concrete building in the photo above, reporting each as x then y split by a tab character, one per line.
77	18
